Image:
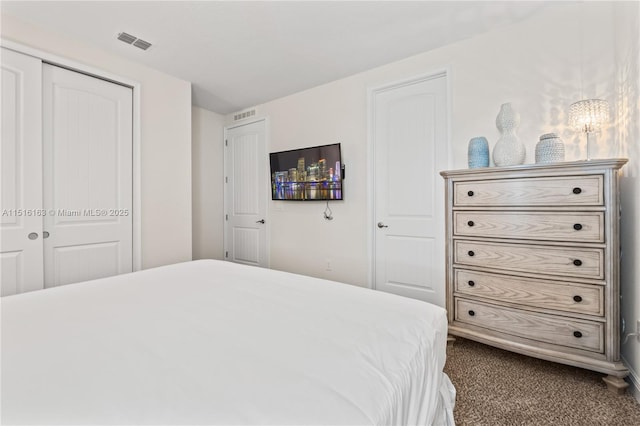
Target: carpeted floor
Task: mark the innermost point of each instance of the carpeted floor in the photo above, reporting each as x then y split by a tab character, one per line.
496	387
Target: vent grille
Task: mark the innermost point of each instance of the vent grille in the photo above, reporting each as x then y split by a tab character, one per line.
137	42
144	45
127	38
243	115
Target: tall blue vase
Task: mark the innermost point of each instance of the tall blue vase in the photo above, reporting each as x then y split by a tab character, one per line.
478	154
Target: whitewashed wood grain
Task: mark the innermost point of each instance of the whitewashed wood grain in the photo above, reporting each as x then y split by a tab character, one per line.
545	328
535	293
552	226
582	190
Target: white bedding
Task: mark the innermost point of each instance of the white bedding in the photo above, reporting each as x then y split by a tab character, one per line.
210	342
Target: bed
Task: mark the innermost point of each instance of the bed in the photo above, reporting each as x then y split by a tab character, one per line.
212	342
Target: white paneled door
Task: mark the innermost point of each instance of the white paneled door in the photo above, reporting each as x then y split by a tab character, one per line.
87	147
246	192
410	147
21	174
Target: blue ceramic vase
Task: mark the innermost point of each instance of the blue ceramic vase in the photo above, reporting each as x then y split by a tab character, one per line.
478	154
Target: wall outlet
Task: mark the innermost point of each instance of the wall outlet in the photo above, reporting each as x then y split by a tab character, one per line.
327	265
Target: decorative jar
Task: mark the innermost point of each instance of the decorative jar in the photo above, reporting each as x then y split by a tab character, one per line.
550	149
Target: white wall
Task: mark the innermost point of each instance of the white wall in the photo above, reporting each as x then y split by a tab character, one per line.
165	140
561	55
541	66
537	65
207	172
627	136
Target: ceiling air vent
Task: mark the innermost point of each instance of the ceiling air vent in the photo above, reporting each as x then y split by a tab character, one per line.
144	45
137	42
127	38
243	115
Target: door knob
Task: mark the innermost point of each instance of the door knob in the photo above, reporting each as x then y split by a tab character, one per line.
33	236
45	234
382	225
260	221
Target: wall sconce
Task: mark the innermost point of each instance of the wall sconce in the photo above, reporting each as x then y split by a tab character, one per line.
588	116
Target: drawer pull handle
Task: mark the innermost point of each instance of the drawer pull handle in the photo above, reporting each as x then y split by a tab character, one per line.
470	193
577	334
471	283
577	262
470	223
471	253
577	190
577	227
471	313
577	298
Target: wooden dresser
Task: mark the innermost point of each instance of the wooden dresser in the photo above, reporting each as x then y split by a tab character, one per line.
533	257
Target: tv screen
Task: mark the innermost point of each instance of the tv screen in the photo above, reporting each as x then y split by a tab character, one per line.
307	174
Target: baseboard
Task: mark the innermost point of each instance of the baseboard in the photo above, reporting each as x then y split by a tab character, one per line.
634	379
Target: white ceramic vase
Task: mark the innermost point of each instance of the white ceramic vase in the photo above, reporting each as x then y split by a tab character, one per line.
508	151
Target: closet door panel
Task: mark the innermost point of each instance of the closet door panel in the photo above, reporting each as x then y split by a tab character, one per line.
75	263
88	177
21	259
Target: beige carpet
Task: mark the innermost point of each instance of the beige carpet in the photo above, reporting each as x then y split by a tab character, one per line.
497	387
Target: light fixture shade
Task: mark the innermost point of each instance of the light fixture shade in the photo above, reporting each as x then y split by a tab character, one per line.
589	115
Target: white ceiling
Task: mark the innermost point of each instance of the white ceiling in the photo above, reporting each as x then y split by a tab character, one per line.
240	54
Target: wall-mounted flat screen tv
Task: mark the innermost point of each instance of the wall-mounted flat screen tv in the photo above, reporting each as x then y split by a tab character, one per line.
307	174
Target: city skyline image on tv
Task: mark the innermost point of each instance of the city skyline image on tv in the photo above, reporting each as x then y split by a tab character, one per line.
307	174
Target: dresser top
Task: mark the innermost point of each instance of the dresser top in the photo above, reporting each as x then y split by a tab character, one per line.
563	167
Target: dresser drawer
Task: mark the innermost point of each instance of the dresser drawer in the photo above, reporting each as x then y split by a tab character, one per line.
588	335
536	293
553	191
558	226
552	260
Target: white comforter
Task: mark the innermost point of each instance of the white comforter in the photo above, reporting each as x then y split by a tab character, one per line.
211	342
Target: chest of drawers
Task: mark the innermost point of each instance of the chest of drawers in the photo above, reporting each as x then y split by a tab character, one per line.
533	258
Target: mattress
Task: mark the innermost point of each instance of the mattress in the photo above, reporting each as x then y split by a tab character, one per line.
212	342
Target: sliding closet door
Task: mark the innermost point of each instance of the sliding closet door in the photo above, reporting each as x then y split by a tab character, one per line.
87	177
21	174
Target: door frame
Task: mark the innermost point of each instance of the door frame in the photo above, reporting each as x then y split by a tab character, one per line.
72	65
371	203
267	144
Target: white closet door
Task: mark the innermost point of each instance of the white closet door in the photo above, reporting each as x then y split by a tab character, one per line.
246	192
410	146
21	174
87	177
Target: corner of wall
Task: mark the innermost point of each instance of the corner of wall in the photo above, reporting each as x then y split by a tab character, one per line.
634	381
207	189
627	57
